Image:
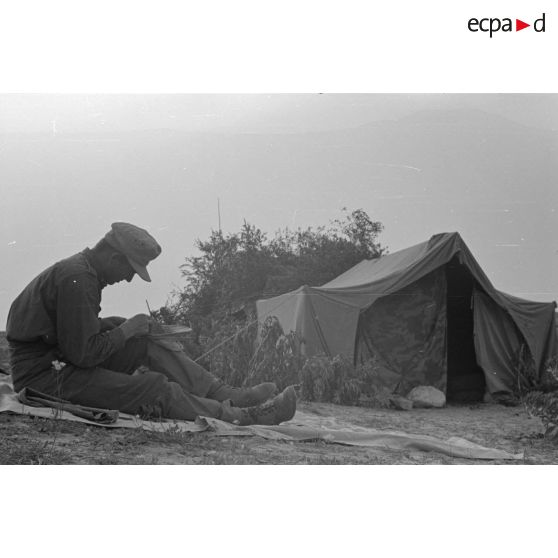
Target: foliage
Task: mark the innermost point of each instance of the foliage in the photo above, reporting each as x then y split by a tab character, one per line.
373	392
525	370
330	380
236	355
232	271
527	377
544	406
549	379
230	351
337	380
277	357
314	257
4	354
539	395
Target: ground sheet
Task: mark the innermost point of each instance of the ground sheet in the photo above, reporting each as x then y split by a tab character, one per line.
303	427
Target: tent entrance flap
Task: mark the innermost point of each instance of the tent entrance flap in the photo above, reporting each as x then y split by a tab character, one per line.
465	378
404	333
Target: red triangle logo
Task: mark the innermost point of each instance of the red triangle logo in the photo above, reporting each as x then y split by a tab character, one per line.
519	25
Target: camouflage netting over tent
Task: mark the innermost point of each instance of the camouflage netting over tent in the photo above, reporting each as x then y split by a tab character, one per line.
428	315
409	351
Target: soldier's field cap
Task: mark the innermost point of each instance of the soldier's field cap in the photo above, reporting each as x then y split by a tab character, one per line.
136	244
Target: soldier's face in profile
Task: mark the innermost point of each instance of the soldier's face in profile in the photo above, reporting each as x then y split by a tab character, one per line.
119	269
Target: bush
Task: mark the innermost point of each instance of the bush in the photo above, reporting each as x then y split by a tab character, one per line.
373	392
527	377
229	352
330	380
232	271
236	355
525	371
549	379
277	357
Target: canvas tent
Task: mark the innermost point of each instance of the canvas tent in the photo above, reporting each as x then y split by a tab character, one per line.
428	315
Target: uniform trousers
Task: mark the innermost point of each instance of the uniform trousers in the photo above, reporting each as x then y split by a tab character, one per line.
174	386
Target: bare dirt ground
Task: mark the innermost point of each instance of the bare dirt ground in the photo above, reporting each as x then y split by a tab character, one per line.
28	440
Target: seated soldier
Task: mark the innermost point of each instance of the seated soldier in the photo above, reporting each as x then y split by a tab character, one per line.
56	318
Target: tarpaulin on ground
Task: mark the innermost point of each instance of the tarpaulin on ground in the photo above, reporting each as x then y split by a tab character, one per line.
302	428
326	318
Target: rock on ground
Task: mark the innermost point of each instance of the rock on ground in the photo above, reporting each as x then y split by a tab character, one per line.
426	397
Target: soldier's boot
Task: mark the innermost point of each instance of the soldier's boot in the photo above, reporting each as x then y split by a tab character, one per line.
242	397
275	411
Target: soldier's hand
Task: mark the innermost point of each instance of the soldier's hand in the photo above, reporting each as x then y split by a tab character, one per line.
137	326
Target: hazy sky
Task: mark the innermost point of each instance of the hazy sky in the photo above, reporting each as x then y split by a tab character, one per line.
483	165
